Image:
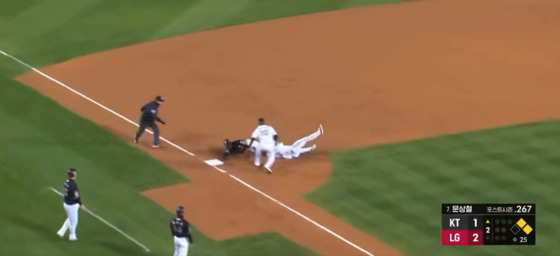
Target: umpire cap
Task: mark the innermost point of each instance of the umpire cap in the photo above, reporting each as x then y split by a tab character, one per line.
159	99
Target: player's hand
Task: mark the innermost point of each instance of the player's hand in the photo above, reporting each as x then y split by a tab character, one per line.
162	122
83	207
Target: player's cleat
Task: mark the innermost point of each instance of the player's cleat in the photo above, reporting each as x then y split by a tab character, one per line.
73	238
135	141
155	146
268	170
60	234
321	129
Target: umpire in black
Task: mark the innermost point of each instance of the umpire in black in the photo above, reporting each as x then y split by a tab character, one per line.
181	231
148	119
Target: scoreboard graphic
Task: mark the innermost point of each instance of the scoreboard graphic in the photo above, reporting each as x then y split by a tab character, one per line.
488	224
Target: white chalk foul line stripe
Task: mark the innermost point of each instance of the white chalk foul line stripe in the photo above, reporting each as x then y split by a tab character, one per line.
108	224
191	154
88	98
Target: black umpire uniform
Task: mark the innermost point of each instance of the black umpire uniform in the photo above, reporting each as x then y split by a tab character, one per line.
181	231
148	119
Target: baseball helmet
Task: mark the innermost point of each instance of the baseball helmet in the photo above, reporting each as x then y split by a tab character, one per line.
180	211
72	172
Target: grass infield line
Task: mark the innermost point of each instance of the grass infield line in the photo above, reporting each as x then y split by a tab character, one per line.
193	155
108	224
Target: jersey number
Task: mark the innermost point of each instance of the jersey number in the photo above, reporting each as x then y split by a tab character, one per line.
177	227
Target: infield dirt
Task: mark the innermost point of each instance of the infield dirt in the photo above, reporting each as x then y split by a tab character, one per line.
370	75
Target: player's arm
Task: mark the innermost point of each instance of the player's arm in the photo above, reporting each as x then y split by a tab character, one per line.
156	117
274	136
74	187
254	136
187	230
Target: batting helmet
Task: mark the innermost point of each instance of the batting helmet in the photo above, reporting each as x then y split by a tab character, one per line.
180	211
72	172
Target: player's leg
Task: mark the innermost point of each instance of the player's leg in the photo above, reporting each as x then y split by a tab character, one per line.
141	127
258	152
64	228
66	224
271	156
73	220
185	248
301	142
155	129
177	248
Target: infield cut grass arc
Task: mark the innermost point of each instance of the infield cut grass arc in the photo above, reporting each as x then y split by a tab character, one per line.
191	154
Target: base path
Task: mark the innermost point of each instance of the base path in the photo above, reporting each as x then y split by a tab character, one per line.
369	75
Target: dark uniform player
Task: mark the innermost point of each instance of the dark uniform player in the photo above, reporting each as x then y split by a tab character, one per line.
181	231
148	119
72	203
236	146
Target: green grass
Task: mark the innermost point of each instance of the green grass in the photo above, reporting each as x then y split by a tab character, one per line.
395	191
45	32
40	140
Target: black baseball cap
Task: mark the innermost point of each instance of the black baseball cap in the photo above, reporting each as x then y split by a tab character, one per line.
159	98
261	120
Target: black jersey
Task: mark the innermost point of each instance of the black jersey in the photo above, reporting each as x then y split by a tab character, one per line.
181	228
71	193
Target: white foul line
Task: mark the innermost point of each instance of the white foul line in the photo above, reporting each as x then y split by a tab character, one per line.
191	154
108	224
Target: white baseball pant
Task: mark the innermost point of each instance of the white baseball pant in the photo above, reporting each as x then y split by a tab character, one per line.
181	246
71	222
270	155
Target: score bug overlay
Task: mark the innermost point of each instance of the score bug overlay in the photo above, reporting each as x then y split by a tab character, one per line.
488	224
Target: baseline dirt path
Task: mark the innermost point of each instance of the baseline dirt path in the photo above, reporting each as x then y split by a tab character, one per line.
369	75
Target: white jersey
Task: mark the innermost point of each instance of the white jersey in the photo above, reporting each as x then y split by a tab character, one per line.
285	151
265	134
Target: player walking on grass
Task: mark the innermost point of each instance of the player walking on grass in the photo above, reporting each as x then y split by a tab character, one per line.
148	119
267	138
72	203
181	231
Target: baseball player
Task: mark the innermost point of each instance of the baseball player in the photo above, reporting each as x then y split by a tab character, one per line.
148	119
72	202
297	148
181	231
267	138
236	146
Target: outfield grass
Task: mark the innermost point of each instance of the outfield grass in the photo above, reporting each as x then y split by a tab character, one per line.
395	191
40	140
44	32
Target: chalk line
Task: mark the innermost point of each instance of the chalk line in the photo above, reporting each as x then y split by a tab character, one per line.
108	224
192	154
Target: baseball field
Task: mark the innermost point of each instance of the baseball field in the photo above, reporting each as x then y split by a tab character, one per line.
423	102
